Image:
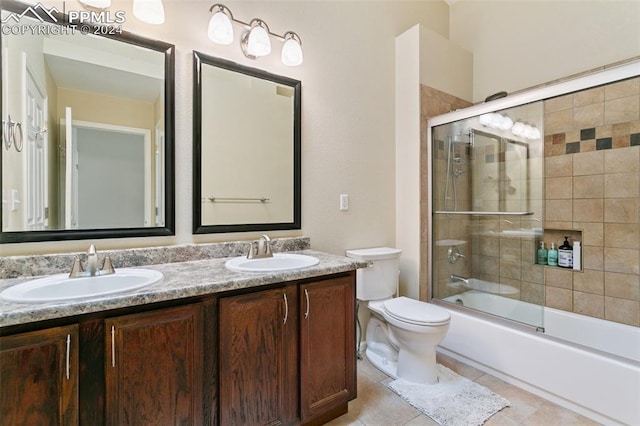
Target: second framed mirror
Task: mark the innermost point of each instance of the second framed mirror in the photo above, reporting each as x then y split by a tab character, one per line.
246	159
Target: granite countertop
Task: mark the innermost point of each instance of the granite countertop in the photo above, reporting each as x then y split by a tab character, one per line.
181	280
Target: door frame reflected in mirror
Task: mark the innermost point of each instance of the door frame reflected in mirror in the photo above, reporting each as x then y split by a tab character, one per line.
168	228
200	59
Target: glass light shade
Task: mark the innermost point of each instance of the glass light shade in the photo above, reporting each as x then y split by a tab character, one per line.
505	122
100	4
149	11
258	42
292	53
220	28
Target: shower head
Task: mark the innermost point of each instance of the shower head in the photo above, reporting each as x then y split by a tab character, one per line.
462	137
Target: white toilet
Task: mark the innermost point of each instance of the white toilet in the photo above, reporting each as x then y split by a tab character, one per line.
402	333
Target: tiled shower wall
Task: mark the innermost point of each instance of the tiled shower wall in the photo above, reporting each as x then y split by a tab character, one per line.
591	192
433	102
592	184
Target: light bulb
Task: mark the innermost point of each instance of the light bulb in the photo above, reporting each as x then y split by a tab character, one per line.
100	4
292	51
518	129
536	133
220	28
485	119
258	42
149	11
505	123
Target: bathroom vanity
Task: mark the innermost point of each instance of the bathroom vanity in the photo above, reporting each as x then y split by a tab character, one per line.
203	346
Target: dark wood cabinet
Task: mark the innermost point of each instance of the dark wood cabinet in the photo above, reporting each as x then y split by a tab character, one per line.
283	355
327	347
39	377
154	367
287	355
258	358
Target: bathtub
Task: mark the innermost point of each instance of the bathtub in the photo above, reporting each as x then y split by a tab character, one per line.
588	365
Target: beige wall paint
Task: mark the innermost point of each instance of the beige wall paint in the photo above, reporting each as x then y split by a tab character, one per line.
264	149
522	43
423	57
348	92
112	110
347	111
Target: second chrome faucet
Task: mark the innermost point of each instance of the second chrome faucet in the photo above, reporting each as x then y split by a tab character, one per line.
260	249
92	265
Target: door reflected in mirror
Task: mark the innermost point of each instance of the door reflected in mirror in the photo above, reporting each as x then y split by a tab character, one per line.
96	118
246	148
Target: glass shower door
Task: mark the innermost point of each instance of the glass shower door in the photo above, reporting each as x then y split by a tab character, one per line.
487	214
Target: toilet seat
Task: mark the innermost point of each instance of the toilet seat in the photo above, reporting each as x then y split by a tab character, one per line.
415	312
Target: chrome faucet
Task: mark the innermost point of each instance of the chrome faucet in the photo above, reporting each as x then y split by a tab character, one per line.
453	254
262	250
457	279
92	261
92	265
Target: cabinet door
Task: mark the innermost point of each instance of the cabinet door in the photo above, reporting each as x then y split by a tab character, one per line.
153	369
39	377
258	358
327	333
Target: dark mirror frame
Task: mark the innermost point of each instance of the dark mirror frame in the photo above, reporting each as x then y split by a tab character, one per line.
169	98
198	227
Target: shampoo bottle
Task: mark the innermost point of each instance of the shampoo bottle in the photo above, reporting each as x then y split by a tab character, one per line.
542	254
552	256
565	254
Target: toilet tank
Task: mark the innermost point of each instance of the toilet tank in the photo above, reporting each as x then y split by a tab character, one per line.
380	280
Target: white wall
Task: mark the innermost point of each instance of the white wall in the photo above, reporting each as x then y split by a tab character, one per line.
519	44
347	111
348	90
422	57
408	159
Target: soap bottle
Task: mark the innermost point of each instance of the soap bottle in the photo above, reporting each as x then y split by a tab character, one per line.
542	254
552	256
577	256
565	254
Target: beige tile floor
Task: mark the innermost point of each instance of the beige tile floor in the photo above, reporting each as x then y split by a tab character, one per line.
377	405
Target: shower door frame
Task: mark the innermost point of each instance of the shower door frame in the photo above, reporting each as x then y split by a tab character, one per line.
597	78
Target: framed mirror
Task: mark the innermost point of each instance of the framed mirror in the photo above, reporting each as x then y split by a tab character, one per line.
246	154
87	130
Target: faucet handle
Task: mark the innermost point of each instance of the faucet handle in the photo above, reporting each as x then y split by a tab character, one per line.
76	268
107	267
251	253
92	250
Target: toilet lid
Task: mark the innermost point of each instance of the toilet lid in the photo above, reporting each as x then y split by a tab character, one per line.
416	312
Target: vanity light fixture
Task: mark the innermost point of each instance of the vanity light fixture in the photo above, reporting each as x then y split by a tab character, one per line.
498	121
292	49
256	40
220	28
149	11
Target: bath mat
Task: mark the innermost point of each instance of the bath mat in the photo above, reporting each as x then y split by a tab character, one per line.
454	401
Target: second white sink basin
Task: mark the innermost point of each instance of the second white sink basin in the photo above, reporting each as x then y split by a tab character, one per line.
60	287
279	262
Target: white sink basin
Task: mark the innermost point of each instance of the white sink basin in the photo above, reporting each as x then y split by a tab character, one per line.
279	262
60	287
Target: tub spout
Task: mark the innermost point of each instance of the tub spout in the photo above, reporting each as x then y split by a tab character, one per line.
457	279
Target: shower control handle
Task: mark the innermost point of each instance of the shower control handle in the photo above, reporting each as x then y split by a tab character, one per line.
453	254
